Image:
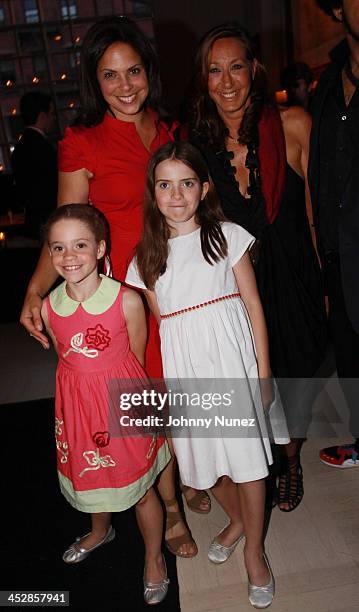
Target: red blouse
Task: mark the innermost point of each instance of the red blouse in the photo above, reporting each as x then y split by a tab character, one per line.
116	157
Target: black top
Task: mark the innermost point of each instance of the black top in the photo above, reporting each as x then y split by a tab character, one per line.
34	163
348	215
338	142
287	271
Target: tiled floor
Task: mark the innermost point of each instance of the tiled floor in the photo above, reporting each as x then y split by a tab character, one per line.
314	551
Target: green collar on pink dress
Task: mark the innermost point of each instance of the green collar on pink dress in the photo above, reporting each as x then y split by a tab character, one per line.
103	298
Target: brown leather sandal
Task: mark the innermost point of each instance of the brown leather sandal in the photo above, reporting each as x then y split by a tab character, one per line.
174	544
194	503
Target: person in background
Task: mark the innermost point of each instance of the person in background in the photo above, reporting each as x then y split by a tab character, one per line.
34	161
297	79
333	175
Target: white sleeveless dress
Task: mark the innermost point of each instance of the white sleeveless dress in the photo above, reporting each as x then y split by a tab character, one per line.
211	350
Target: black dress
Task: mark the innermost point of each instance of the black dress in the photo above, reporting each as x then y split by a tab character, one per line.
287	271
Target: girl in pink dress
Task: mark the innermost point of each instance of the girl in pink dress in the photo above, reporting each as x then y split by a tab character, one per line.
99	331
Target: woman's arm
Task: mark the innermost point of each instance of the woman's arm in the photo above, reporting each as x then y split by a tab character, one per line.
247	286
45	319
73	187
135	317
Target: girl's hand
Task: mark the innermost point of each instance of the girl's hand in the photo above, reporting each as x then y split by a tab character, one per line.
31	318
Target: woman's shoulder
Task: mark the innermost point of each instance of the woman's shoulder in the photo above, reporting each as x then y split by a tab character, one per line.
294	117
80	133
78	148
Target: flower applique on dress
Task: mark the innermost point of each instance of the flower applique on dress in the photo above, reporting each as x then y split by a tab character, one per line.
96	339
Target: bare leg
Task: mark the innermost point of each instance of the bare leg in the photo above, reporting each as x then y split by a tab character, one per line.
150	521
252	496
226	493
100	525
166	488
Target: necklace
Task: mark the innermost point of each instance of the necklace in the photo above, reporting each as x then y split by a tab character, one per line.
349	73
233	139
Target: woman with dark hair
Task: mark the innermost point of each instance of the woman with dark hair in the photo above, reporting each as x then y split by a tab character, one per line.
258	161
102	161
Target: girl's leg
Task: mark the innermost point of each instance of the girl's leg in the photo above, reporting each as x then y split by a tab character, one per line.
150	521
166	488
252	497
290	484
226	493
100	525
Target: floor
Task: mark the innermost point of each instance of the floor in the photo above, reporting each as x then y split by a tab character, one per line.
314	551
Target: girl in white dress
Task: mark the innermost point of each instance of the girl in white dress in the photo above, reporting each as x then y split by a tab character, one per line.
197	276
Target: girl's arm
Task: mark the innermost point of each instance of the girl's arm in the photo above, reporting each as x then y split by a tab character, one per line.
135	317
153	305
247	286
73	188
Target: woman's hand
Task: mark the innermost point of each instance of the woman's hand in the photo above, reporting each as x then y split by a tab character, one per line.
31	318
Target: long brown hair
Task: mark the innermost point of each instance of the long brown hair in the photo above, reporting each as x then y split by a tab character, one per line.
204	117
152	250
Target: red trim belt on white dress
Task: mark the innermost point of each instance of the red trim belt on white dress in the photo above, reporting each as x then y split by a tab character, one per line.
219	299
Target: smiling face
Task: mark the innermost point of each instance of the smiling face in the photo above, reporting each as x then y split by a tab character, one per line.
74	251
123	81
230	76
178	192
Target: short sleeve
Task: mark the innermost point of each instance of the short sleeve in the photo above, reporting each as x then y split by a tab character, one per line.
133	277
238	240
75	151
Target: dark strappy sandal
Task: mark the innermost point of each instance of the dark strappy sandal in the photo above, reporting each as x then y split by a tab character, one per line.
173	544
290	485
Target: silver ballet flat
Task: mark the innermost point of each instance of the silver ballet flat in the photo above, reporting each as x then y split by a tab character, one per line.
262	596
155	592
217	553
75	554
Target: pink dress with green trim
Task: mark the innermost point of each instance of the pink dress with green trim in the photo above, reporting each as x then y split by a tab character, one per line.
102	465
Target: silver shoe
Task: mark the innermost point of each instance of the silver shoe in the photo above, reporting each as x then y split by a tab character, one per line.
155	592
262	596
217	553
75	554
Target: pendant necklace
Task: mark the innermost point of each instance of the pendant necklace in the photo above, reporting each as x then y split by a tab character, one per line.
233	139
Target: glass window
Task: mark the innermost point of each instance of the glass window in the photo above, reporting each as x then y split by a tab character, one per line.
41	50
31	11
68	9
7	72
142	9
58	37
105	7
30	40
7	43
